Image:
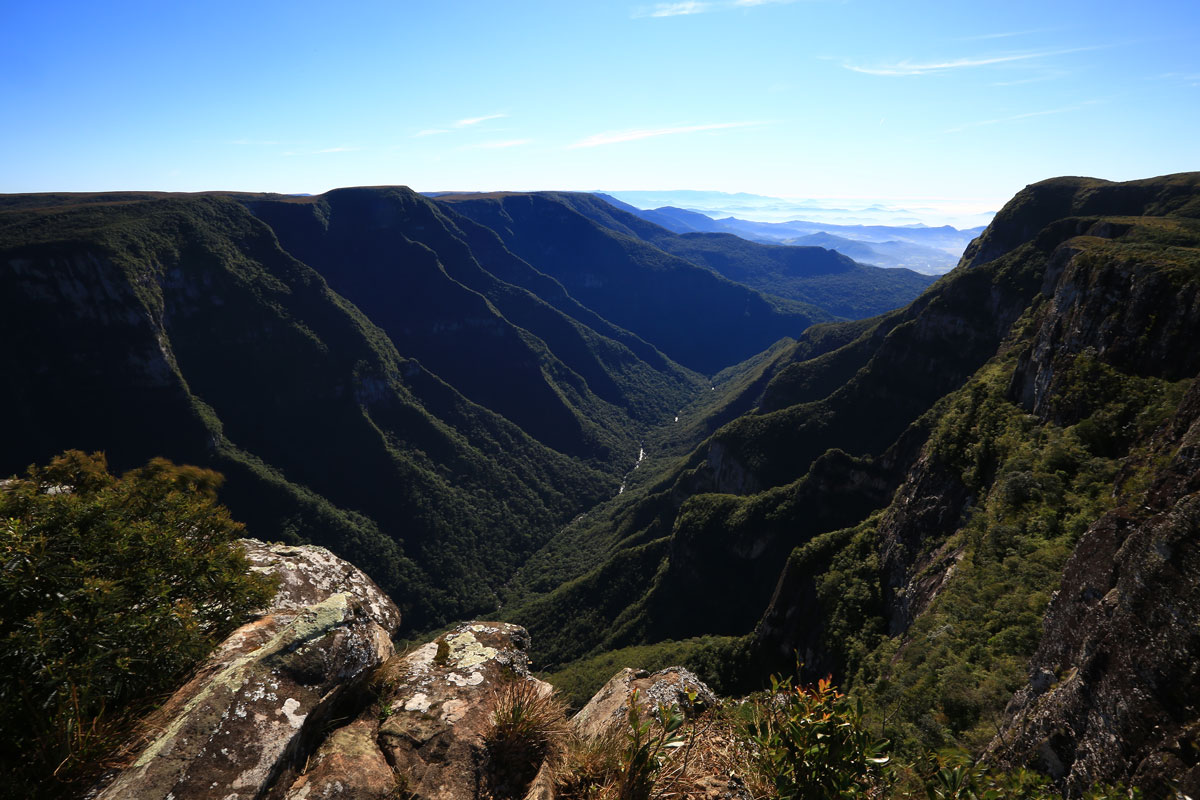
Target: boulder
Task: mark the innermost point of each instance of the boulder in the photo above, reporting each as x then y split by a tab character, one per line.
268	689
309	575
673	687
430	722
348	764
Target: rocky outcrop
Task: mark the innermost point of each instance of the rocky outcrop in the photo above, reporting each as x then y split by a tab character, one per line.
309	575
1131	314
426	734
928	507
269	688
729	476
674	688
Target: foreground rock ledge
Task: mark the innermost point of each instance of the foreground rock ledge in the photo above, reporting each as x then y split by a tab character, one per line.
230	730
308	702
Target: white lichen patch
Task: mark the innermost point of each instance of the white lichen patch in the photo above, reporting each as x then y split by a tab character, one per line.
474	679
466	651
419	702
289	710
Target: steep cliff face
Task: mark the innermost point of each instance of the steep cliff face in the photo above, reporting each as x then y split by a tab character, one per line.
1119	290
1114	683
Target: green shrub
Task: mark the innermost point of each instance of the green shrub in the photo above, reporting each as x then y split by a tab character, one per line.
111	589
812	744
648	744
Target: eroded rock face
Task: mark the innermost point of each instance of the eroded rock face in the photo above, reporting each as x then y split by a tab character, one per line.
430	722
268	688
673	687
928	507
1136	318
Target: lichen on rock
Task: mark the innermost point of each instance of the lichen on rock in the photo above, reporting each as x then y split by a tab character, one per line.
260	696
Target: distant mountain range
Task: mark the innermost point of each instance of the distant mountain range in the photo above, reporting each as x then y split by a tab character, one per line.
839	211
929	250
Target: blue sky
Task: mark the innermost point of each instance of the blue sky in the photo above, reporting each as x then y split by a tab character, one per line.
952	103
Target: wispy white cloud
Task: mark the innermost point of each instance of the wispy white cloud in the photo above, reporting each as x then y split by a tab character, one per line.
497	145
907	67
1005	34
1016	117
1192	78
615	137
684	7
674	9
463	123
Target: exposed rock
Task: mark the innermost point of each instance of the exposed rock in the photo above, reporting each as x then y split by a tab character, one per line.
230	729
673	687
928	508
430	723
309	575
729	475
348	764
267	689
1125	312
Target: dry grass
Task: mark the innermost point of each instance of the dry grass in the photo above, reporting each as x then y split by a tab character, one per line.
711	763
528	729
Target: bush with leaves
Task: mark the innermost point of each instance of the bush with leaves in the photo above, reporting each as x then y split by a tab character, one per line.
111	589
648	744
812	744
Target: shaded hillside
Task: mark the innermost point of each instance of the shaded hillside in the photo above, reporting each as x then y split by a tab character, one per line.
178	327
449	294
918	490
694	316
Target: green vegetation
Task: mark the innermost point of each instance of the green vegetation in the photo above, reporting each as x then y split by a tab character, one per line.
111	589
693	315
1039	486
324	431
811	743
814	742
